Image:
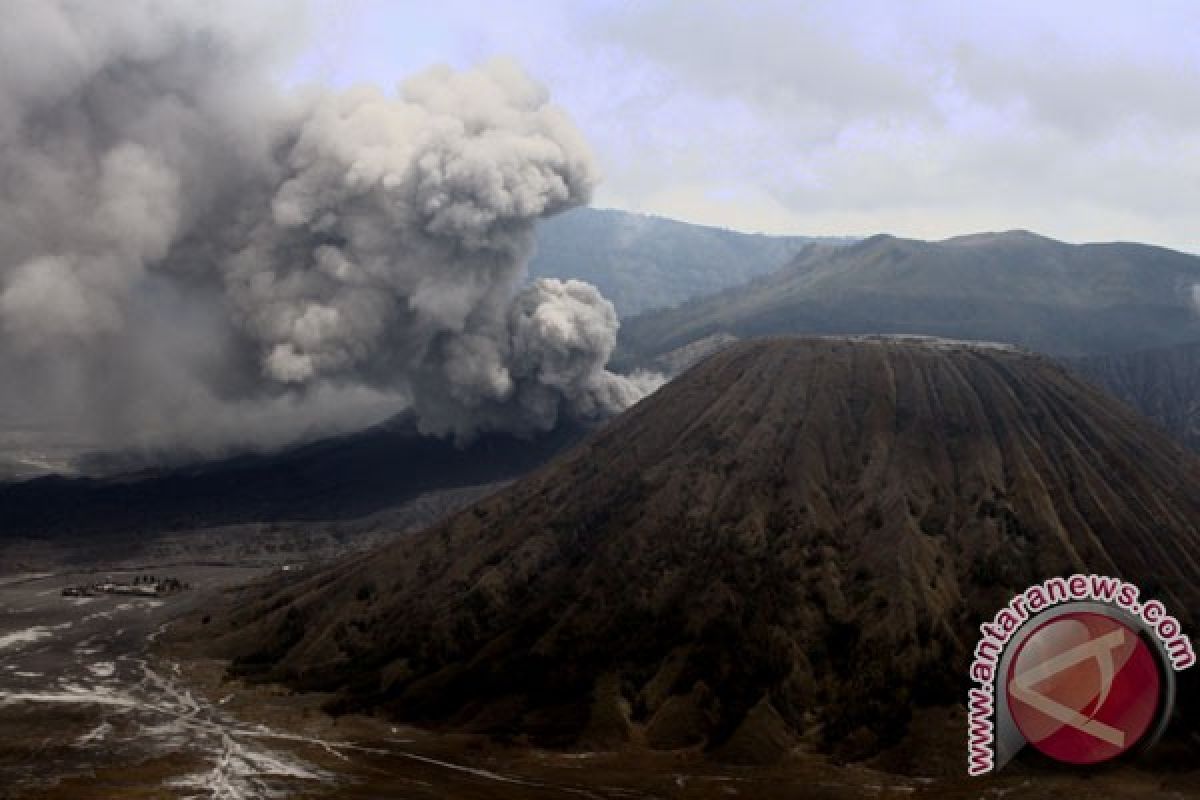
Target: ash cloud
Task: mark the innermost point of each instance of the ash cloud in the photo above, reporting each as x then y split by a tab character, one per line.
194	258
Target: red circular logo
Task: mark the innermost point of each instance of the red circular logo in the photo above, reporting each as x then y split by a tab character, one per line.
1083	688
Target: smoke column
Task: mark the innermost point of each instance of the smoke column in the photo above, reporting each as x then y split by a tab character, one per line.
194	258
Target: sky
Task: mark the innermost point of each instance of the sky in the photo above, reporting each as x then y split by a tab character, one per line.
1079	120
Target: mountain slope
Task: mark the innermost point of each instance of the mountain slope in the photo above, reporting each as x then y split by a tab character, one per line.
795	535
1013	287
641	262
337	478
1163	384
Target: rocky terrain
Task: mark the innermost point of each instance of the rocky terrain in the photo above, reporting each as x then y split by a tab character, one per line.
1163	384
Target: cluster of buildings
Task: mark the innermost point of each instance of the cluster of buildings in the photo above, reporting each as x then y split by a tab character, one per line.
142	585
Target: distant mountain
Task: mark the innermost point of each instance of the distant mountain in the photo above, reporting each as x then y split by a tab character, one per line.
796	537
338	478
641	262
1016	287
1163	384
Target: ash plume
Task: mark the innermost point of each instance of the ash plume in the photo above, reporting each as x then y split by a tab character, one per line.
193	257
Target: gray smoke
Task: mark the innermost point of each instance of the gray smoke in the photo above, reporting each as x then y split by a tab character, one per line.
193	257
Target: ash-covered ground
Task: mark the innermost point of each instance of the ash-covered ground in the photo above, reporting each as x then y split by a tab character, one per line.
92	705
79	690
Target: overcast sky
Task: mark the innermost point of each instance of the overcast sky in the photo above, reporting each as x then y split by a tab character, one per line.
1080	120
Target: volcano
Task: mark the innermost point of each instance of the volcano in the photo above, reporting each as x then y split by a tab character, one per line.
796	538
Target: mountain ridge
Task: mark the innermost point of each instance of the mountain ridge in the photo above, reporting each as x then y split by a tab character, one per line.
641	261
1049	296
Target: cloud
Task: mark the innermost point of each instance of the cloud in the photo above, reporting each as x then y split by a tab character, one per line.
191	252
1075	119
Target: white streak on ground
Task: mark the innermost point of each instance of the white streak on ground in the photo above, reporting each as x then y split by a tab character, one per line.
479	773
162	714
167	717
95	735
30	635
495	776
72	695
103	669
